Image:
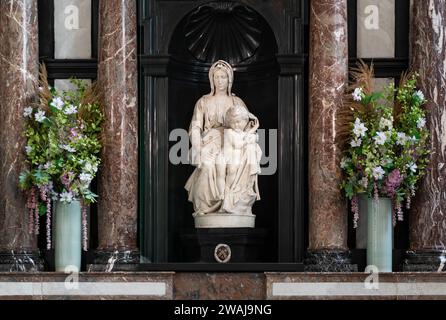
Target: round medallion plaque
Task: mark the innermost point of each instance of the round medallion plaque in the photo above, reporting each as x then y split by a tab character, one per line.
222	253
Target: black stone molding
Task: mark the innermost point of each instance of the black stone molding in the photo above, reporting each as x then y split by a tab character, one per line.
20	261
118	260
329	261
425	261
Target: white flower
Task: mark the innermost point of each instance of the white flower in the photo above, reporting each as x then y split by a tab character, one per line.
420	95
413	139
40	116
413	167
54	196
68	148
85	177
28	112
47	165
401	138
66	197
57	103
385	124
356	143
70	109
359	128
421	123
364	182
380	138
378	173
90	168
28	149
344	162
357	94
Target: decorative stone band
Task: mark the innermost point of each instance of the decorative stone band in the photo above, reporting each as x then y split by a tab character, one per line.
357	285
425	261
20	261
335	290
99	289
329	261
158	285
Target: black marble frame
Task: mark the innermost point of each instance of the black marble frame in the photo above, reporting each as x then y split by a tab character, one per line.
157	20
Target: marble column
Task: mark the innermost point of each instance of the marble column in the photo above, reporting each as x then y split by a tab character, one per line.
19	65
428	215
118	178
328	79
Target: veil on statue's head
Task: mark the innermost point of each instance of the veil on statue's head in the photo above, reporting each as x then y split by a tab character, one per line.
226	67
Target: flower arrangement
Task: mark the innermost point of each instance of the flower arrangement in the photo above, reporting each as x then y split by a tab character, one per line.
385	139
63	142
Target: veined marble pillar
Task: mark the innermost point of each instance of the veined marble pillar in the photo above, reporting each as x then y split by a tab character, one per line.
428	215
118	179
328	79
19	67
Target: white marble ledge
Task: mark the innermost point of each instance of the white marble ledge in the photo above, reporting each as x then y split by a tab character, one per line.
140	285
151	289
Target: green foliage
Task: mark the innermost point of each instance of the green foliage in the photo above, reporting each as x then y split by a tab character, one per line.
63	144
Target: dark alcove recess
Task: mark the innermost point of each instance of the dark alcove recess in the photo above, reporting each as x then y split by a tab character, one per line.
235	33
265	42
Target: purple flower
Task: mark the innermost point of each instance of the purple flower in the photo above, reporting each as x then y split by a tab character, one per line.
74	132
392	182
67	178
414	154
64	179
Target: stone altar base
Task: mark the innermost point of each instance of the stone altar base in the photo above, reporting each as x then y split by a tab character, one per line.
225	245
223	286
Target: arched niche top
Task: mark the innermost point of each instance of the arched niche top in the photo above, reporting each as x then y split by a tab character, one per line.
227	30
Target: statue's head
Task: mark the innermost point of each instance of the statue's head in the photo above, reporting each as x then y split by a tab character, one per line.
221	77
237	117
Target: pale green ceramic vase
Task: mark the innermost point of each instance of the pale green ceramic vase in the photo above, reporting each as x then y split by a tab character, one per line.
379	234
68	236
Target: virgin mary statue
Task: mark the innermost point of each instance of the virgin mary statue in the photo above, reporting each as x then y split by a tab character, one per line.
222	192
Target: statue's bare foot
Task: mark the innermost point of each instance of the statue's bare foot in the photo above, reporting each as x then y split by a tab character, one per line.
197	214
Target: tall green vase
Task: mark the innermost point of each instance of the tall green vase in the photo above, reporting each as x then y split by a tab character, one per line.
68	236
379	233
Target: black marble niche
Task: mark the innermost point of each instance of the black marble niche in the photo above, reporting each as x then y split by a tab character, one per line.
270	68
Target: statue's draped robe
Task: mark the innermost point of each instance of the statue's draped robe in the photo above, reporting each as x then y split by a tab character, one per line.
208	119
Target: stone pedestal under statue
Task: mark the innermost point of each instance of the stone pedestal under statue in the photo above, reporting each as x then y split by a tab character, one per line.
225	245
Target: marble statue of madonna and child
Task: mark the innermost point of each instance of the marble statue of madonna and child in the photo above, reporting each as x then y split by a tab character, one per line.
223	186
